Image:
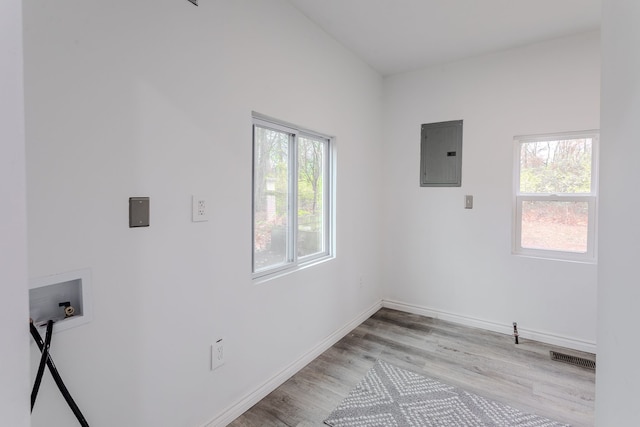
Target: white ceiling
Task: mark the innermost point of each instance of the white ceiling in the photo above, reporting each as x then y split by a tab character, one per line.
402	35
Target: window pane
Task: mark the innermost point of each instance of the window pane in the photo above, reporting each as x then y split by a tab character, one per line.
555	225
556	167
271	202
311	191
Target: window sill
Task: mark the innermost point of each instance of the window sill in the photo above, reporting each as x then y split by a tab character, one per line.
552	257
266	276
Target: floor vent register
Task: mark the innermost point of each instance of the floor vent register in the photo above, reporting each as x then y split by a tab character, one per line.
573	360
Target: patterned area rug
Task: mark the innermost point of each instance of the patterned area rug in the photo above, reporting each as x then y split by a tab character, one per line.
390	396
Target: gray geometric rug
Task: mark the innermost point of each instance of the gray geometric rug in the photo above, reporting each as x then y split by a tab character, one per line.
389	396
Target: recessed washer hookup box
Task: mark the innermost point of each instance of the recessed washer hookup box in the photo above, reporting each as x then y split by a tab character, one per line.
64	298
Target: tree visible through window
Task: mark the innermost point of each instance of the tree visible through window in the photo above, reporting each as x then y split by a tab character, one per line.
271	196
556	195
311	159
291	187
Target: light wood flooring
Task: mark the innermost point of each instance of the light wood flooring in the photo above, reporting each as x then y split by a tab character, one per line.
486	363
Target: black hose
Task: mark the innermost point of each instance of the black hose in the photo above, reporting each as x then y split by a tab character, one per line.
43	363
56	377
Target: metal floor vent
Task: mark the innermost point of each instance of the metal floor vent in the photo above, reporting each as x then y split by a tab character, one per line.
573	360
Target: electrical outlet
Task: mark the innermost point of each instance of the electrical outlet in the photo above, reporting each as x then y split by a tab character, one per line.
200	210
217	354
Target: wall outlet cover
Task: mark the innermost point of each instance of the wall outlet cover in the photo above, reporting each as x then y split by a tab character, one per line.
199	209
217	354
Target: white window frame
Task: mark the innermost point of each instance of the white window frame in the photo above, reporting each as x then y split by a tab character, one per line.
294	262
590	256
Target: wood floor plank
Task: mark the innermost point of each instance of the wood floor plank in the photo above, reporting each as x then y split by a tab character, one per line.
482	362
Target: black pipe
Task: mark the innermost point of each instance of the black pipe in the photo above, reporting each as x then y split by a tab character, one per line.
515	331
56	377
43	363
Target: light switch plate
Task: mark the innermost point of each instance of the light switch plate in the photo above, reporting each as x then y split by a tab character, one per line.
468	202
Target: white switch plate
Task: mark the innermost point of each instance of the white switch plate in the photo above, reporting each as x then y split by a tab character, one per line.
200	209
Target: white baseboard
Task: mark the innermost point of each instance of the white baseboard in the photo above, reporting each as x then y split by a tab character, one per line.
242	405
545	337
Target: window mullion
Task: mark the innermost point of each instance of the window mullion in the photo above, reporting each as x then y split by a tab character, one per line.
293	200
328	196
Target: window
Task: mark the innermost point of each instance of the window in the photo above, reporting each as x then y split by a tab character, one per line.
292	205
556	195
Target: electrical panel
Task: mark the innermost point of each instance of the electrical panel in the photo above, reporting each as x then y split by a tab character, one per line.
441	154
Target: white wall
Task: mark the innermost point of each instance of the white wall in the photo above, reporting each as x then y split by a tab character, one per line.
443	260
618	374
14	351
154	98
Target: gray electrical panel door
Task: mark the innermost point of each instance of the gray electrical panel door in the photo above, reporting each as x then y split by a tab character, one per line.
441	154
